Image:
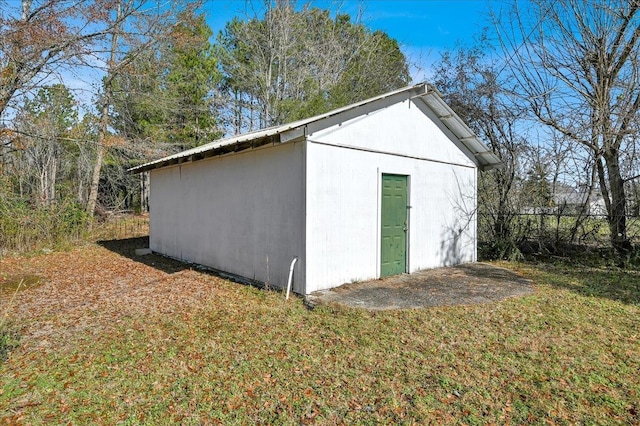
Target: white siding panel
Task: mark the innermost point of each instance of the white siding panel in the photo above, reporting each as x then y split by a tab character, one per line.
241	213
163	232
407	128
343	214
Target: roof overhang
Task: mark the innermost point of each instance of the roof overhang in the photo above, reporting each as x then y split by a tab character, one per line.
486	158
296	130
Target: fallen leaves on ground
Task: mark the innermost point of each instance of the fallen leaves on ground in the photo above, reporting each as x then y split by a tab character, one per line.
109	337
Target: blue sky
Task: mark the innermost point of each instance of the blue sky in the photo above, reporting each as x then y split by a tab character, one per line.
422	27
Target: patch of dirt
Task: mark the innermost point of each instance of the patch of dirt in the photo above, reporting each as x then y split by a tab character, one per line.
10	284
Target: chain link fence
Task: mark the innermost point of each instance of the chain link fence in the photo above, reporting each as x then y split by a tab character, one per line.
30	232
548	233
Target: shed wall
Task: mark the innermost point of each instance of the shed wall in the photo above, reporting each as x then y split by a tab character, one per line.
343	196
241	213
407	128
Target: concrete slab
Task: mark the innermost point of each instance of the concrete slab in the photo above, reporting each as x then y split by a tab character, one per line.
471	283
143	251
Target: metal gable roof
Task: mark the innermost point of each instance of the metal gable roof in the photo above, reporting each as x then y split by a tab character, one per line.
486	159
429	95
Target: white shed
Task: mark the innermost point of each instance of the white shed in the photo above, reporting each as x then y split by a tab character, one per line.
377	188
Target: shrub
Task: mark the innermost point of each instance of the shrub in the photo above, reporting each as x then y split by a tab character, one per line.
25	227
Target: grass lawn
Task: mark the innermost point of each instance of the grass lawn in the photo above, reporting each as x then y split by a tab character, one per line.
107	338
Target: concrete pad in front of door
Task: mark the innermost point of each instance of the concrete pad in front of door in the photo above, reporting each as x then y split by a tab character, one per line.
471	283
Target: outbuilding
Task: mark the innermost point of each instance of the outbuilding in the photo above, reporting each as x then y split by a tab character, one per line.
381	187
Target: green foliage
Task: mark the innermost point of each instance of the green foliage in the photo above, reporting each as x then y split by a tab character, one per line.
293	64
55	105
9	340
138	101
377	69
499	249
169	97
549	237
191	77
24	227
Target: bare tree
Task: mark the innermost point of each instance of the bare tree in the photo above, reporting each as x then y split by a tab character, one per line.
41	126
134	28
38	38
471	83
577	64
104	113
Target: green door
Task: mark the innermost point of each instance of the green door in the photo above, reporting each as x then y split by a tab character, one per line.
393	250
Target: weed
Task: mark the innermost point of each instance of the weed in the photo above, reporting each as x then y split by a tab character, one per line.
9	339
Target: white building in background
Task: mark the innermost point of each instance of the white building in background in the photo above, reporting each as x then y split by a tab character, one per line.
377	188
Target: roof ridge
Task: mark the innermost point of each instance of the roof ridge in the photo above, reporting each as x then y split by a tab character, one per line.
465	135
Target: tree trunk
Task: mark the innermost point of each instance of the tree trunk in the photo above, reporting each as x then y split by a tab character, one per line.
502	226
26	9
144	192
100	152
104	120
95	181
51	197
617	209
42	196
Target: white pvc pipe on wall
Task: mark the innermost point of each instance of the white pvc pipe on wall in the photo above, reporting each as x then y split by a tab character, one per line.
293	263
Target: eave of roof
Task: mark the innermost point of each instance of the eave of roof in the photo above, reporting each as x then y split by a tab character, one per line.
432	98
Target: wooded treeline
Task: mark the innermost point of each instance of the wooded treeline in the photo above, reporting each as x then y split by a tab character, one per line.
165	83
554	92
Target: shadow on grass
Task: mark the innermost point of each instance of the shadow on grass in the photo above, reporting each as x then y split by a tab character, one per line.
622	285
127	247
